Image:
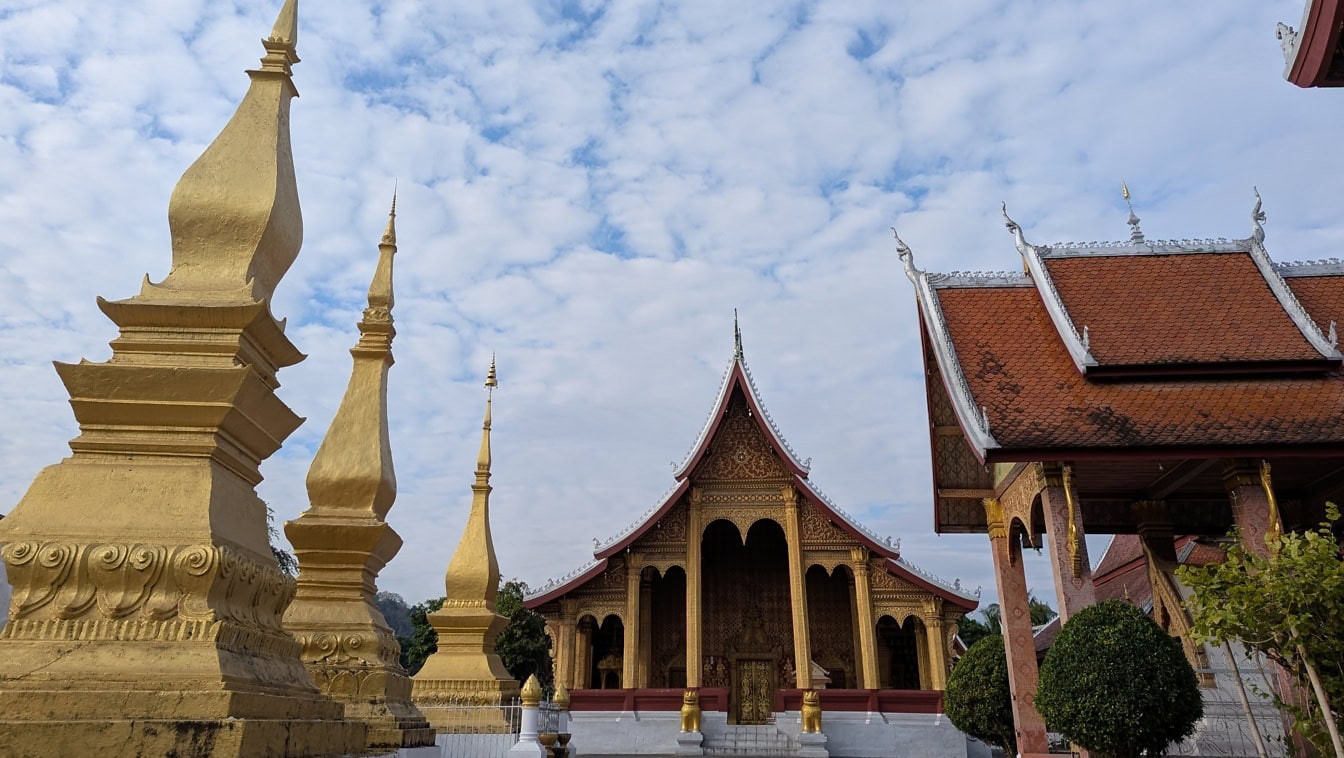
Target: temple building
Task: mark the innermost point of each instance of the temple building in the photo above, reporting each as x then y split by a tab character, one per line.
746	579
1313	53
1155	388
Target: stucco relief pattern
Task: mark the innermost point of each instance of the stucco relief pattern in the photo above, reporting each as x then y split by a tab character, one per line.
739	450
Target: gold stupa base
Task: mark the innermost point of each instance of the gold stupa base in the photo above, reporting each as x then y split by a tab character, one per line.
458	706
218	738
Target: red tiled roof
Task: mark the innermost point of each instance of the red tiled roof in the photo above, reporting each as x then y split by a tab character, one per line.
1018	369
1187	308
1320	296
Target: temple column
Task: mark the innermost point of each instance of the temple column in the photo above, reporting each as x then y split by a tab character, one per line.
1018	641
645	631
634	570
1255	512
583	655
564	644
863	591
937	653
693	535
802	649
922	657
1069	562
856	682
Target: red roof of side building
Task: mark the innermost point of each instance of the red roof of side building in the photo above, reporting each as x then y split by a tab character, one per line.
1314	53
1186	346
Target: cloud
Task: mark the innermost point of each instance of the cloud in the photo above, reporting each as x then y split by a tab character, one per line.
588	191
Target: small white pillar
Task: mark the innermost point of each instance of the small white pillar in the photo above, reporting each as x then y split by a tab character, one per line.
528	744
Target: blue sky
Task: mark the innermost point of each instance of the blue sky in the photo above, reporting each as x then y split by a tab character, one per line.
588	190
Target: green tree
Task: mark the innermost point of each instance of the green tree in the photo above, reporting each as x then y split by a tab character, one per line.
523	646
1288	606
1115	683
973	630
978	700
424	640
288	563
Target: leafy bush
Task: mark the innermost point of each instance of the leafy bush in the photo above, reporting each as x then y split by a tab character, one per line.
978	700
1115	683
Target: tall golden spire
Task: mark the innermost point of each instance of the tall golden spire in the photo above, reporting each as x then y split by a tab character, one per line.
353	467
466	665
234	215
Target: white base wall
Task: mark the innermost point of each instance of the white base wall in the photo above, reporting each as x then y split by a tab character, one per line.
848	735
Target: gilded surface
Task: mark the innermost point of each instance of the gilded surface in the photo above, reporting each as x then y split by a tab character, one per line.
811	713
147	606
755	691
739	450
690	711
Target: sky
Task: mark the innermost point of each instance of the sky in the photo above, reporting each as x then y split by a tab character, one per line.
588	190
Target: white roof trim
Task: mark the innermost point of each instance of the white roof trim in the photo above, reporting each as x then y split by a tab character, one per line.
1074	341
1325	344
1323	267
953	587
725	390
552	584
973	418
634	527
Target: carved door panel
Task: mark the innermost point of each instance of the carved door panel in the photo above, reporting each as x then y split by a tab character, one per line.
755	694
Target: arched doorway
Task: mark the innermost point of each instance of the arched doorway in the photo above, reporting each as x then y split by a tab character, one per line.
747	626
898	653
607	654
667	655
831	624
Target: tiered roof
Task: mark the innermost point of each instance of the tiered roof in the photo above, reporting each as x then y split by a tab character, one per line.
1145	346
738	382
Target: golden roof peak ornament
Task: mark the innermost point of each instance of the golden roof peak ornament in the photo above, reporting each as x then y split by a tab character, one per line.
737	338
381	298
1135	233
234	215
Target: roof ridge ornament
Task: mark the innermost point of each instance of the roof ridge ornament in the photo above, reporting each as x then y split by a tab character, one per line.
1135	233
737	338
907	257
1258	218
1033	264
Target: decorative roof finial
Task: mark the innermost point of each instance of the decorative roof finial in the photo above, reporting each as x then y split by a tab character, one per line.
907	257
380	289
282	45
1016	230
1257	218
1135	233
737	338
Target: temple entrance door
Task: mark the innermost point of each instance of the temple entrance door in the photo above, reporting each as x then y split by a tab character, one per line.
755	690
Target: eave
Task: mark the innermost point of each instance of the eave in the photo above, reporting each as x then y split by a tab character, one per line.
1312	54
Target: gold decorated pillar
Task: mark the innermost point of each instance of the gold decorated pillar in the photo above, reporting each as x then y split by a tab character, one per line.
937	646
645	630
922	657
465	668
146	615
1069	562
1255	510
693	535
343	540
1019	644
564	644
802	650
863	590
583	655
630	652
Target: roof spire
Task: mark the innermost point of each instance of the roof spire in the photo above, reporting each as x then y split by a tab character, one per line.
1135	233
737	338
380	289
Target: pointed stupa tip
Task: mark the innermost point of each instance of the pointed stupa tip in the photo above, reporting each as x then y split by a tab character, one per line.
286	29
492	377
390	233
483	459
737	338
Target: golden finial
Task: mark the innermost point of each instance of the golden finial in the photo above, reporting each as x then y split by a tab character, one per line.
561	698
390	233
483	459
1124	190
282	45
531	693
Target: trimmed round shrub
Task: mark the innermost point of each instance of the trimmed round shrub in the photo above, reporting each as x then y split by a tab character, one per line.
1115	683
977	700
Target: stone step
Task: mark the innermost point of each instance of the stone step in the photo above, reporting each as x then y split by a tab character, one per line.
750	740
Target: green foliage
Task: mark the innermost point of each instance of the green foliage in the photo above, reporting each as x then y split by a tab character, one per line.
523	646
424	640
977	699
1115	683
288	563
973	630
1288	606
